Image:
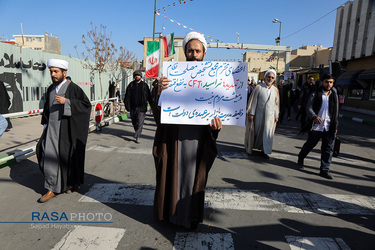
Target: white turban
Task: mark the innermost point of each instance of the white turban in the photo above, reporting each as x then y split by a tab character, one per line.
270	71
194	36
57	63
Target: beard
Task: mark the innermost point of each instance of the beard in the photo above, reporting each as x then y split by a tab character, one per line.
325	88
269	82
192	59
57	80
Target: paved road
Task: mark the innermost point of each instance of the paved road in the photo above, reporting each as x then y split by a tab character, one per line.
252	203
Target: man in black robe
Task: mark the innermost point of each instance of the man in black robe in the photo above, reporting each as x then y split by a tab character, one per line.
4	103
183	156
61	149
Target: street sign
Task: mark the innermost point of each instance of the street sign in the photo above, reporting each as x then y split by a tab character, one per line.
98	112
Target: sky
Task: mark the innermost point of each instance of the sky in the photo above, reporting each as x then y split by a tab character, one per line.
303	22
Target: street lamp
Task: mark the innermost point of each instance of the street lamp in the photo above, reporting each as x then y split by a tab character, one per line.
277	42
277	38
238	41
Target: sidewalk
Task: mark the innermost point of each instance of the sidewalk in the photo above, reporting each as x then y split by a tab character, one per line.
26	132
360	117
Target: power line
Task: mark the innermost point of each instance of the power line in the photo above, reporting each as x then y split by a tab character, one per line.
312	22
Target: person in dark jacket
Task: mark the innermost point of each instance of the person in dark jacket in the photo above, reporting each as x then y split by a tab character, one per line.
285	100
322	110
306	89
5	103
136	97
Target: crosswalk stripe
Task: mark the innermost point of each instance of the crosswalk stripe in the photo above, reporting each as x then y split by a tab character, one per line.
314	157
301	243
231	155
241	199
121	150
203	241
83	237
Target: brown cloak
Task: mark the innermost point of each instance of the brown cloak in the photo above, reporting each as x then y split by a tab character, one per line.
166	158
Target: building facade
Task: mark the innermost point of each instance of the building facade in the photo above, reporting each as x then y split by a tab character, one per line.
48	43
354	51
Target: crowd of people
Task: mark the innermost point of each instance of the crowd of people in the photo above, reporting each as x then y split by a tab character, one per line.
183	154
317	105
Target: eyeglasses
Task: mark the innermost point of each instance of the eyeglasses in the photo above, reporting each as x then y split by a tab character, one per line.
272	77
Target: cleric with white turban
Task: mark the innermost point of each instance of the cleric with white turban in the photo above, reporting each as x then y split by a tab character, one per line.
183	155
194	36
262	114
57	63
61	149
269	82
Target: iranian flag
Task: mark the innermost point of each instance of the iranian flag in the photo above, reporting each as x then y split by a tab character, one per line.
168	44
152	60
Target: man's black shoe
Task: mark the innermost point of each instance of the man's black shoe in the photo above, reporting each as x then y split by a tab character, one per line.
300	162
326	175
265	156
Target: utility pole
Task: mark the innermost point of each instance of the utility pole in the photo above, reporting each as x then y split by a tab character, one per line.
153	31
277	43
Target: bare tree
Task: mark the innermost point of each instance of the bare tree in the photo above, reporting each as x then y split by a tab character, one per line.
121	64
101	54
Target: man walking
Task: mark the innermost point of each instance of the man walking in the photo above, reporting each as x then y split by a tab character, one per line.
136	96
284	95
262	116
306	89
250	87
5	103
322	109
61	149
183	156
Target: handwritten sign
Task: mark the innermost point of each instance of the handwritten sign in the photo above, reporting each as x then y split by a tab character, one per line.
199	91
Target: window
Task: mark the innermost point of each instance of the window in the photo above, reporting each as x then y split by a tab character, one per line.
38	39
28	39
355	93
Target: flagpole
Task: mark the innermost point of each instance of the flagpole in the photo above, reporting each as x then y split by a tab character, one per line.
161	51
153	31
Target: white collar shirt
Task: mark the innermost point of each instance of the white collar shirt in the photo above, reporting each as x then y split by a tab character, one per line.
324	114
58	87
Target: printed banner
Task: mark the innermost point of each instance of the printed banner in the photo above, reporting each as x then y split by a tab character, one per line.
199	91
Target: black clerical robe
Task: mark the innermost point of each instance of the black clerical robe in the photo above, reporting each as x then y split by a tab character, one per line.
72	137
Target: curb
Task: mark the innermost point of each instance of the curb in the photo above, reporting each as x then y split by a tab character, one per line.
19	155
107	122
368	122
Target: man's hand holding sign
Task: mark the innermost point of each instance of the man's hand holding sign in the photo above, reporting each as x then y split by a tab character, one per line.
197	92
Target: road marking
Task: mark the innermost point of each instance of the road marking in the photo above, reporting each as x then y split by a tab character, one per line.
230	155
120	193
83	237
203	241
121	150
241	199
289	157
298	243
237	155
